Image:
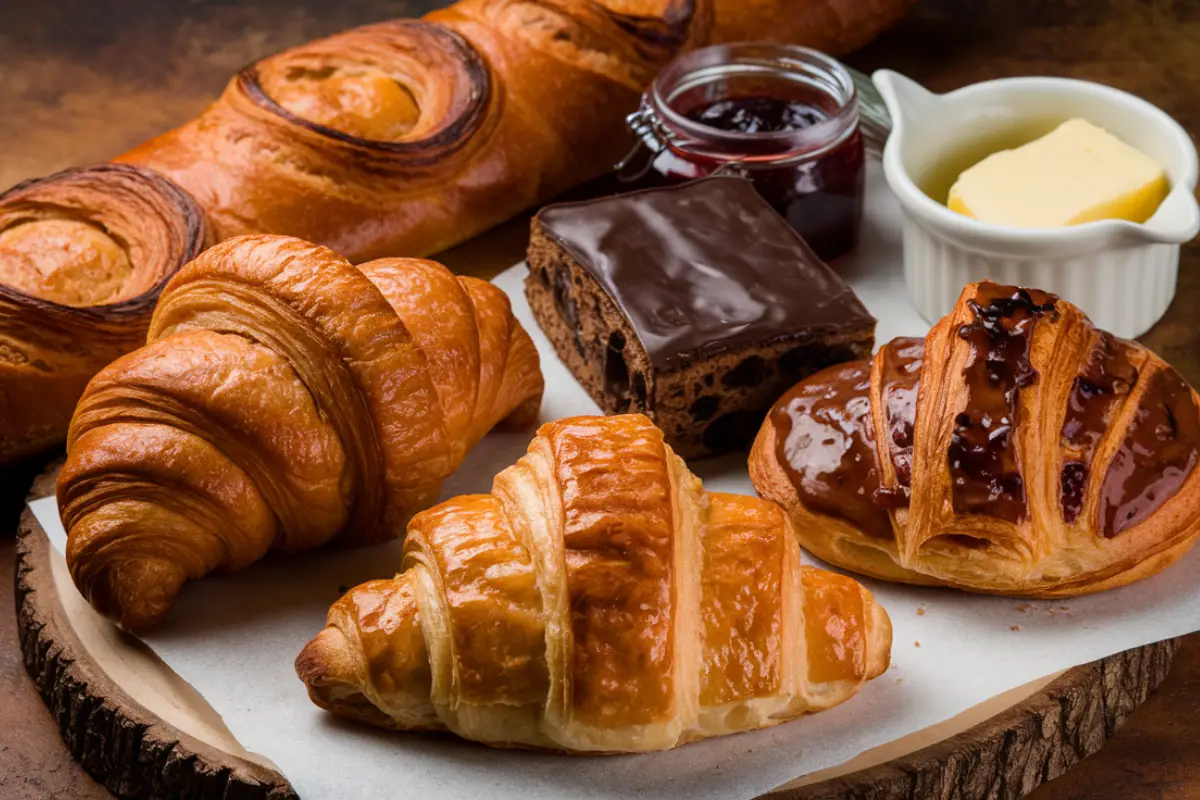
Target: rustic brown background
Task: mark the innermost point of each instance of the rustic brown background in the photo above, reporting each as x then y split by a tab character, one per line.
82	80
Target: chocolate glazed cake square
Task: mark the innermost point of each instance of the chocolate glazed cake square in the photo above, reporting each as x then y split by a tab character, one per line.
697	305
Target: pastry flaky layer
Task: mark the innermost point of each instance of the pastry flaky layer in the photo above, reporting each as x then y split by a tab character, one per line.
1015	450
286	398
598	600
83	256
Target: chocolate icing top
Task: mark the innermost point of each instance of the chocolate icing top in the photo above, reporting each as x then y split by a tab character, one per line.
1159	452
1097	395
900	381
986	478
825	440
703	267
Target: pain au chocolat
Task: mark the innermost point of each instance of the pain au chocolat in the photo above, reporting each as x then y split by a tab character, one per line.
696	305
1016	450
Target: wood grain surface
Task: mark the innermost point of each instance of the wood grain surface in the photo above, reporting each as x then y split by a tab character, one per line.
81	80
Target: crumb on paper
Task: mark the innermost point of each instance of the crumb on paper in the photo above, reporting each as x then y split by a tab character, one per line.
916	644
920	612
1014	627
894	665
899	681
1022	608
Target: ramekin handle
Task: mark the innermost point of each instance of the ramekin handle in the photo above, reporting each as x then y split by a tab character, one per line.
1176	221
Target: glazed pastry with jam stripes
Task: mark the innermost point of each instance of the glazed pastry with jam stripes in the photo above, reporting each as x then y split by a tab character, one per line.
1017	450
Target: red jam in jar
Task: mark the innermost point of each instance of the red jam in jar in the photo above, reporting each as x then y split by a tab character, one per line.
785	117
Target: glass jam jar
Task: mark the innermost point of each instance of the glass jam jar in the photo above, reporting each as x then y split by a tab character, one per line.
785	117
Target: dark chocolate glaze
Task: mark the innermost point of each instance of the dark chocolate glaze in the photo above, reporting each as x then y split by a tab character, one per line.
704	267
1096	397
1157	455
900	379
986	478
825	440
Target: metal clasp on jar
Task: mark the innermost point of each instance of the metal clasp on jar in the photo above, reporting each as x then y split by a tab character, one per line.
652	140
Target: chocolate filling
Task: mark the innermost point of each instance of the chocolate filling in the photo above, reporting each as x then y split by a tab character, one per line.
1096	396
986	478
1157	455
825	440
900	381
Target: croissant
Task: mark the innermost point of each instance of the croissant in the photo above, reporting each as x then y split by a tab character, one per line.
285	399
83	256
408	136
598	600
1017	450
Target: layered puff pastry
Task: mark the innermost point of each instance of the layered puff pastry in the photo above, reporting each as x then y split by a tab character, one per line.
285	399
83	256
1016	450
599	601
408	136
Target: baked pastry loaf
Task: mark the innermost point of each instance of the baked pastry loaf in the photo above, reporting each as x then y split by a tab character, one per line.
1016	450
83	256
598	600
833	26
696	305
285	399
406	137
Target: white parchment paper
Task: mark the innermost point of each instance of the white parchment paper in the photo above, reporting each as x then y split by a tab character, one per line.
234	639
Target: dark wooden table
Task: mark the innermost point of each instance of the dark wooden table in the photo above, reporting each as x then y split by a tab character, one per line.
82	80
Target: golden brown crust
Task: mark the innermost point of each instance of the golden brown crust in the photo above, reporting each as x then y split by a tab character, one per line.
1103	489
83	256
406	137
285	399
409	136
561	612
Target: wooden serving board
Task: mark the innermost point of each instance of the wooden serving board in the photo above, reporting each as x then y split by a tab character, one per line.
144	732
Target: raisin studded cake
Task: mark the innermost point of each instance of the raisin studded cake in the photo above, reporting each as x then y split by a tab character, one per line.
696	304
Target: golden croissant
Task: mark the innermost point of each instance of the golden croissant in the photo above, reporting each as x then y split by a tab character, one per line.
598	600
285	399
1016	450
84	254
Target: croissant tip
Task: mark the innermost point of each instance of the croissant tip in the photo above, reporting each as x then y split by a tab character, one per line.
320	668
879	652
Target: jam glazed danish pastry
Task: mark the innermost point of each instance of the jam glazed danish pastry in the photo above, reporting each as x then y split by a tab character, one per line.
1016	450
285	399
598	600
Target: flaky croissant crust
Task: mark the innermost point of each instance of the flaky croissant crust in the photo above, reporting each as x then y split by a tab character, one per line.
49	347
912	468
598	600
285	398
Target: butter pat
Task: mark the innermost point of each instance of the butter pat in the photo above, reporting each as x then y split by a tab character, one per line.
1076	173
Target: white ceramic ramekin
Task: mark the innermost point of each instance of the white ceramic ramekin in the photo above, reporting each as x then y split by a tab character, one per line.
1122	274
